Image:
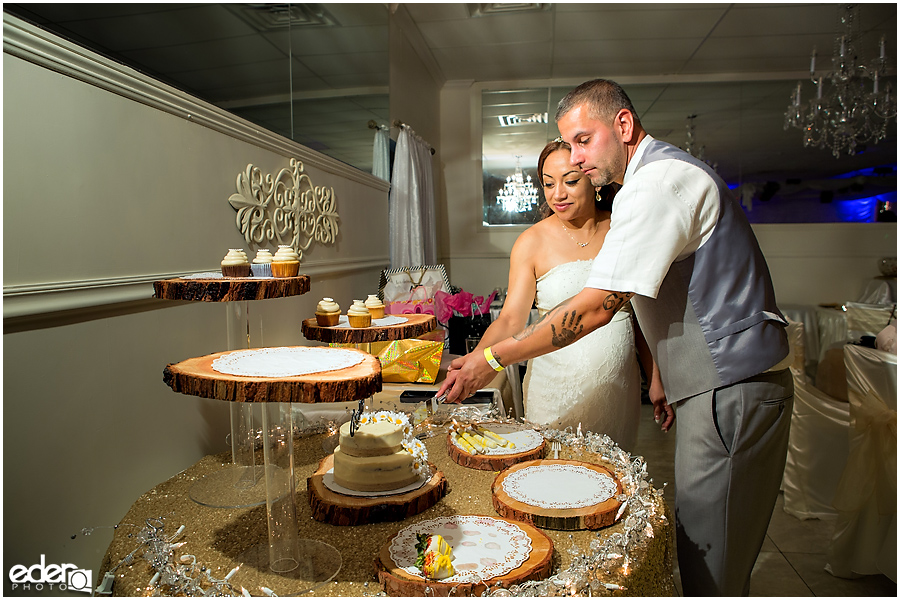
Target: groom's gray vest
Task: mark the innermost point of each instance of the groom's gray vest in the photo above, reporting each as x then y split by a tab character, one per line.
714	321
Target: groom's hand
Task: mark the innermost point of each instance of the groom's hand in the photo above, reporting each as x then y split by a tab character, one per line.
662	412
466	375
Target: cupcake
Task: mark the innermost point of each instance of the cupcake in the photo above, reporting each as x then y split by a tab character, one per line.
359	315
375	306
235	264
262	264
328	313
286	262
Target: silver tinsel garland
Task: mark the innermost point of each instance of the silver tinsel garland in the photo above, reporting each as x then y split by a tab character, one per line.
179	575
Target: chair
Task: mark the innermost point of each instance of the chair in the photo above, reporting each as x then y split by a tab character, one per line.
867	319
865	534
806	315
818	445
861	320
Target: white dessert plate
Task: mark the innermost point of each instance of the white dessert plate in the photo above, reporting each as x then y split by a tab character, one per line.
328	480
384	322
483	547
286	361
218	275
559	486
523	437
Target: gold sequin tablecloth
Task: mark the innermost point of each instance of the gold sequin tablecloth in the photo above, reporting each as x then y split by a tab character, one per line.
218	536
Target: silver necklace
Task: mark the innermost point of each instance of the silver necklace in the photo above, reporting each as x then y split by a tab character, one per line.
584	245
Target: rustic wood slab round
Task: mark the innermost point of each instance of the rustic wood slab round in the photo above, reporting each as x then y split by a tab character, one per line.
398	582
595	516
416	325
230	289
337	509
491	462
196	377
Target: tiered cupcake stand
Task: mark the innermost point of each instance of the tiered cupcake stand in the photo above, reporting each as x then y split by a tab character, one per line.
414	326
310	561
331	507
240	484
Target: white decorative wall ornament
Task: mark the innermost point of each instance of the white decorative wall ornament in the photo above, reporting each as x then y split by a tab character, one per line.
286	208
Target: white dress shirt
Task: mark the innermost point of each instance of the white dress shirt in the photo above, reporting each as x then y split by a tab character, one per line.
663	213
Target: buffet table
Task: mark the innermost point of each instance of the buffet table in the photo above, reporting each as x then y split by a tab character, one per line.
216	538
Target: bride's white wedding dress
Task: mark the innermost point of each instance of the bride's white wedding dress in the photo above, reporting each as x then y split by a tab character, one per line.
596	381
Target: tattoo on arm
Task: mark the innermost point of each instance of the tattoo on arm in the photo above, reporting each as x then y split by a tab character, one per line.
530	329
568	332
615	300
571	326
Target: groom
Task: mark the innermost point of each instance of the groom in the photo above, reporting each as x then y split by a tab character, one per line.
681	249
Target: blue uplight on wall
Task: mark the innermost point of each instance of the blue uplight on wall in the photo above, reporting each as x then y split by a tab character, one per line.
862	210
862	196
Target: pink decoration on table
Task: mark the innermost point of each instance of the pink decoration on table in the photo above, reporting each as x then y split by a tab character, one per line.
415	307
460	304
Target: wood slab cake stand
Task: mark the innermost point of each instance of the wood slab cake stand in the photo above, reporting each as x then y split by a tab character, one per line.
595	516
331	507
398	582
196	377
230	289
491	462
415	325
310	561
239	484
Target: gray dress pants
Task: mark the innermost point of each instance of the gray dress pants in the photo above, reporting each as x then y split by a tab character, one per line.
729	460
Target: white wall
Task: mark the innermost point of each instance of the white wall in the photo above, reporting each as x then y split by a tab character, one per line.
810	263
112	181
824	263
415	80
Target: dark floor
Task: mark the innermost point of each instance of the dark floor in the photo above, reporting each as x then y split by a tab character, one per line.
792	560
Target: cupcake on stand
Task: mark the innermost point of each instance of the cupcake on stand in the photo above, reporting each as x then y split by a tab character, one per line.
375	306
359	315
286	262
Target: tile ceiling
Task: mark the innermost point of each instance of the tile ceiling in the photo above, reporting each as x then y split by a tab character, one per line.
734	66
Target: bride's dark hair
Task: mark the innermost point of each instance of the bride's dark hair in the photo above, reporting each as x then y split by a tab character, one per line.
604	196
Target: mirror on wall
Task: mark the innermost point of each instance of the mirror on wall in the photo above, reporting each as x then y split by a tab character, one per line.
738	127
314	73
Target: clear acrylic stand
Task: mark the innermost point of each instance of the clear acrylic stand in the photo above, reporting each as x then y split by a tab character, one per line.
240	484
309	561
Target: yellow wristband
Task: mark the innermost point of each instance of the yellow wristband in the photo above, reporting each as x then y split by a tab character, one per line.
489	356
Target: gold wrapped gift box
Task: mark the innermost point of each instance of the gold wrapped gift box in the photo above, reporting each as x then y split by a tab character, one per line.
415	360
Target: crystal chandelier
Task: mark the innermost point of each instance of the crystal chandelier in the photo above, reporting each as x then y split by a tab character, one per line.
518	194
852	111
692	147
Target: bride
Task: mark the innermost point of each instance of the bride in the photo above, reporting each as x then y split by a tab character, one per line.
594	382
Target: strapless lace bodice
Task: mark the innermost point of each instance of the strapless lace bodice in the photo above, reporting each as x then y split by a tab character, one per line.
594	382
564	281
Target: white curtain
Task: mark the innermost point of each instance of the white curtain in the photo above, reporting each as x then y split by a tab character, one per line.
381	154
413	234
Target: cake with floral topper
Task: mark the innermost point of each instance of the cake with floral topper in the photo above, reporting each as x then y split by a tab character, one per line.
380	455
